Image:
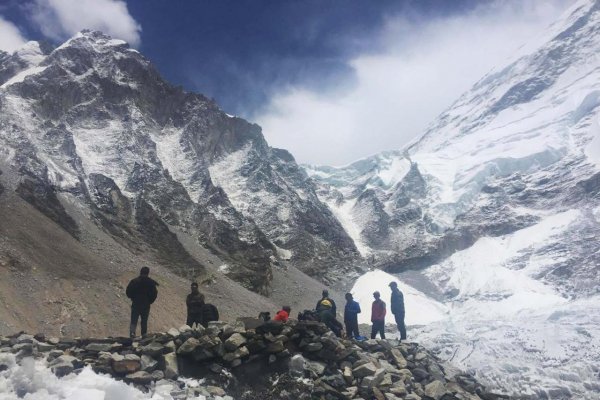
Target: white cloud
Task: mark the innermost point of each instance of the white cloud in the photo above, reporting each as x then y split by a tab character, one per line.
10	36
425	66
60	19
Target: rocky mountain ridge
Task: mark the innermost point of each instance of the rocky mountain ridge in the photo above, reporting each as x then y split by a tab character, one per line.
90	130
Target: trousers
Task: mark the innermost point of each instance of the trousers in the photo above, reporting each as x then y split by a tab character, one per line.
401	327
139	312
378	327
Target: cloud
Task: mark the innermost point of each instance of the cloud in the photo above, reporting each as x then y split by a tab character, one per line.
60	19
397	92
10	36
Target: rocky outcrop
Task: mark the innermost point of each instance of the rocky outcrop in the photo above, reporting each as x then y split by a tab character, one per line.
94	122
298	360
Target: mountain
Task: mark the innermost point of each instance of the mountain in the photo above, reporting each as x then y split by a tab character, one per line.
90	131
493	214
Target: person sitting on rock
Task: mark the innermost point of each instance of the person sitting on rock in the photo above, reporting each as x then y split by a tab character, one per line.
333	307
284	314
351	312
209	313
194	302
397	307
327	317
142	292
378	316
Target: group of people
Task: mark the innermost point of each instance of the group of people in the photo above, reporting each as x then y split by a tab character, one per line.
378	313
143	292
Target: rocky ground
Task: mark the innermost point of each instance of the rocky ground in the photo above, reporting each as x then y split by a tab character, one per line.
250	360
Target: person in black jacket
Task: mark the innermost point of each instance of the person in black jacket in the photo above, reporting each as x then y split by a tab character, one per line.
142	292
320	307
194	302
397	307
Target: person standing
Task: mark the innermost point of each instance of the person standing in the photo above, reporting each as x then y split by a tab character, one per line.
351	312
194	302
378	316
143	292
397	307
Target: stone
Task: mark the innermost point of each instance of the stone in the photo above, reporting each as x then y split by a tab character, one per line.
348	376
126	364
62	369
420	374
378	394
412	396
316	367
153	349
158	375
188	347
98	347
435	390
45	347
367	369
296	366
140	378
173	332
234	341
275	347
149	364
314	347
238	353
171	368
398	358
215	391
351	392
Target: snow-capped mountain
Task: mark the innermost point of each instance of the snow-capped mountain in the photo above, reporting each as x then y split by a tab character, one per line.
90	130
494	214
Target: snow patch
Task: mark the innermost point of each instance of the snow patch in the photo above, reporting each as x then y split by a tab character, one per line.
343	213
420	309
394	172
20	77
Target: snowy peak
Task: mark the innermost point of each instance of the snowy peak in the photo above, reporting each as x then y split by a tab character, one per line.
95	124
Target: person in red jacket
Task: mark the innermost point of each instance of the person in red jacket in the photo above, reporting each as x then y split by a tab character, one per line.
378	316
283	315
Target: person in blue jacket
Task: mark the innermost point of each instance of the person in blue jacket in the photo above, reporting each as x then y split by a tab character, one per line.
351	312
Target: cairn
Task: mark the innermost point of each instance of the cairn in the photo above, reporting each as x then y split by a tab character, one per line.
254	360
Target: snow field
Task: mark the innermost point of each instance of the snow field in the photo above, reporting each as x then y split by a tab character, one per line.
420	309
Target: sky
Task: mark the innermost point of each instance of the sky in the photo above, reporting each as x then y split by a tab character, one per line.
330	80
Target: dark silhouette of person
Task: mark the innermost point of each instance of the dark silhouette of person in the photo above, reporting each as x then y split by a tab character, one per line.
143	292
378	316
194	302
351	312
397	307
209	314
320	307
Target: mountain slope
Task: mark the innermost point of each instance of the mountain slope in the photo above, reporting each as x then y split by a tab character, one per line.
493	215
92	126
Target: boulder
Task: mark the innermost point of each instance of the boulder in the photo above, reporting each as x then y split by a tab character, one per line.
436	390
127	364
234	341
171	368
367	369
296	366
188	347
139	378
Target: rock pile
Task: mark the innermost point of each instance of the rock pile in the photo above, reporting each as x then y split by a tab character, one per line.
298	360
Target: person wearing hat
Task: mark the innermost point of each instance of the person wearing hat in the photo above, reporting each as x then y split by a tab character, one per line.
378	316
397	306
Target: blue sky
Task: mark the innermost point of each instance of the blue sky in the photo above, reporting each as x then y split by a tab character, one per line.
331	80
